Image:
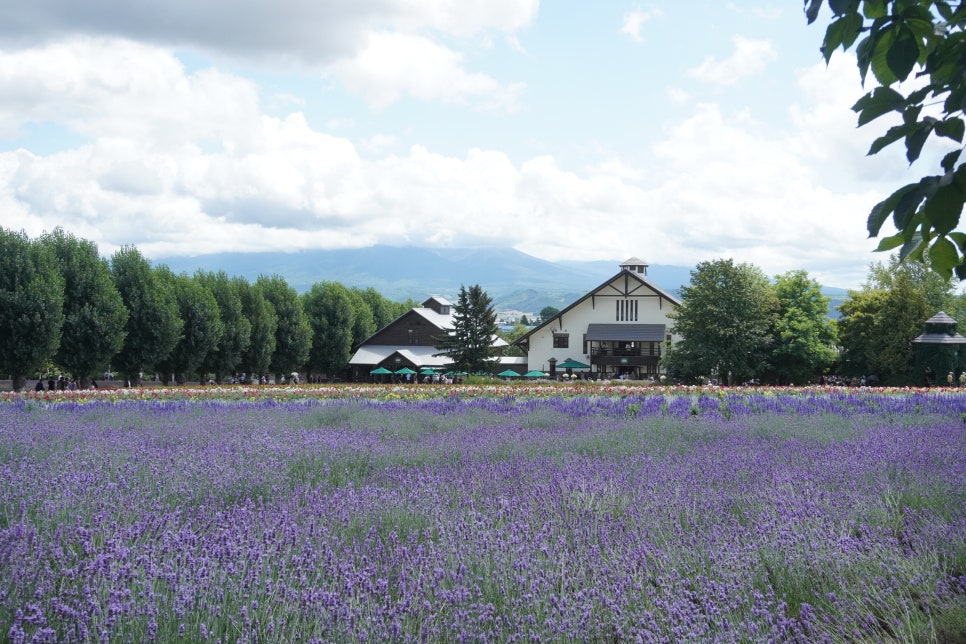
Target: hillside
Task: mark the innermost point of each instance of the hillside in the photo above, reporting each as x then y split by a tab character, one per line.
513	279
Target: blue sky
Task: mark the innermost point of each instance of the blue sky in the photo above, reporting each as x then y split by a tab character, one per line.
676	132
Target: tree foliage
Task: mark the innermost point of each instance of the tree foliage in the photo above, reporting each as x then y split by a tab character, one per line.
330	311
293	334
548	312
94	312
469	342
898	40
363	320
236	328
154	320
31	305
725	323
256	359
383	310
938	291
857	331
202	327
877	328
804	342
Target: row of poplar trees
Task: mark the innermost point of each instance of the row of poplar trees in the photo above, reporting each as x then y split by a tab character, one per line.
64	309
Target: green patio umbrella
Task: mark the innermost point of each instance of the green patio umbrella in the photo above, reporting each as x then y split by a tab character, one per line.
534	374
509	373
572	364
381	371
427	372
405	371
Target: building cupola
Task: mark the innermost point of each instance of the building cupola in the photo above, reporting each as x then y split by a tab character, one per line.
635	265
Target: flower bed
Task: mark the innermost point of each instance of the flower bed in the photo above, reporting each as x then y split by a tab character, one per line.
755	516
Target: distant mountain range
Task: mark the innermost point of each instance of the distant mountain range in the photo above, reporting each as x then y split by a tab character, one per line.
513	279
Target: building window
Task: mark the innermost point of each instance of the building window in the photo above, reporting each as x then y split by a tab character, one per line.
561	340
626	310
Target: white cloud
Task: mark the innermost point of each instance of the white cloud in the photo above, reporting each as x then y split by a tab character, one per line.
182	163
314	31
107	87
678	95
394	66
633	22
749	58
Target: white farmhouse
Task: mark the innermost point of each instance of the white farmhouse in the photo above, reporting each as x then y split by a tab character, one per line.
619	329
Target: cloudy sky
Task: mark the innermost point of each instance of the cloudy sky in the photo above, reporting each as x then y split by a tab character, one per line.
674	131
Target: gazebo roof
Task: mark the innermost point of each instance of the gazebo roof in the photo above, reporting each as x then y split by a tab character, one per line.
940	329
941	318
940	338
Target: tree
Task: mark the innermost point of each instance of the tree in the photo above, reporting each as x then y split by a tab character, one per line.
363	321
519	330
857	331
548	312
383	311
926	40
31	306
524	321
202	328
900	320
154	323
236	328
257	358
293	334
468	343
937	289
804	335
94	313
725	322
877	328
329	308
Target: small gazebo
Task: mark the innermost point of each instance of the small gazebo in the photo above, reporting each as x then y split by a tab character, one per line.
940	351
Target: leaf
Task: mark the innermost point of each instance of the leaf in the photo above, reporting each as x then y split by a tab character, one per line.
888	243
811	9
949	161
916	139
879	101
943	257
839	7
943	209
907	206
887	206
843	31
882	42
891	136
913	248
863	56
951	128
903	53
874	9
944	10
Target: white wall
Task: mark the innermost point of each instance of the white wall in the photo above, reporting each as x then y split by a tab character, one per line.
600	310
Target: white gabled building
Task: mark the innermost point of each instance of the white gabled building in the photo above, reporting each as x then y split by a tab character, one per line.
618	329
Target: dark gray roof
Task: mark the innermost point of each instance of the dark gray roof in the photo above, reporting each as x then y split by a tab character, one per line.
626	332
940	338
941	318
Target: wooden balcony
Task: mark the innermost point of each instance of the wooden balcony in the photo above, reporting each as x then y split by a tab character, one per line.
627	357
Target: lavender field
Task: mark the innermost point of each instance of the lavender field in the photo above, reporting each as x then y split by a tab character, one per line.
655	518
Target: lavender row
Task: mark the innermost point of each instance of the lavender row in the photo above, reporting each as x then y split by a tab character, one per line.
709	518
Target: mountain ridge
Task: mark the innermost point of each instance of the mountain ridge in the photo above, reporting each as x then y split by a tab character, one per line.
513	279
